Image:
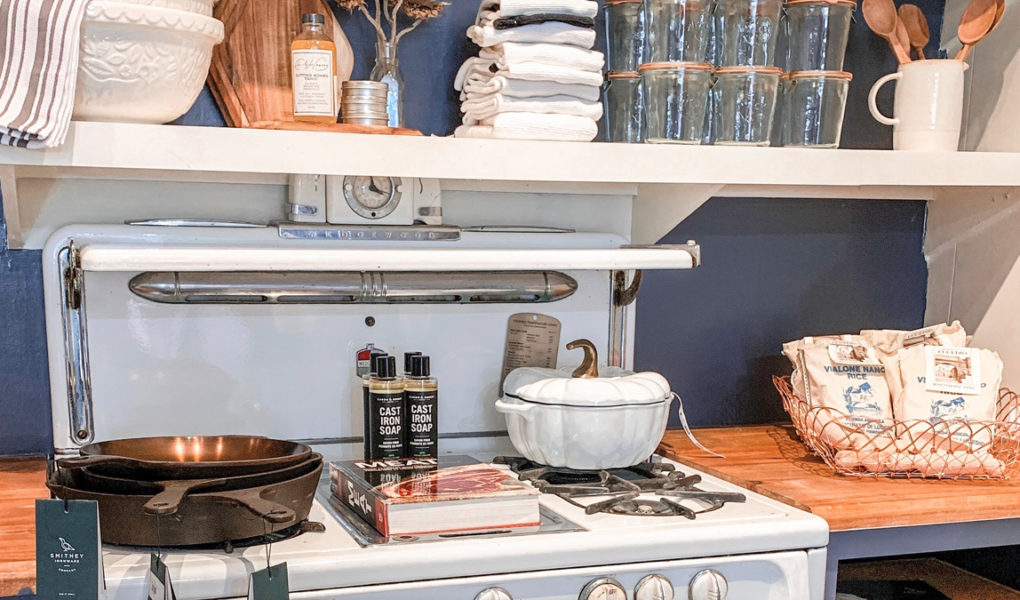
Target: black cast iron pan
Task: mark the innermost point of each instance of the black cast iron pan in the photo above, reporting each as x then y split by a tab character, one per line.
187	457
166	496
201	518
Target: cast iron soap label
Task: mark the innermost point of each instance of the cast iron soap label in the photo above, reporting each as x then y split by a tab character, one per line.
68	554
386	425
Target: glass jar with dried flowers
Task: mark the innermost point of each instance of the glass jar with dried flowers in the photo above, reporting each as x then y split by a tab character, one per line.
386	19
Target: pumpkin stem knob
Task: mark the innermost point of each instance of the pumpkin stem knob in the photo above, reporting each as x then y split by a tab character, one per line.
589	367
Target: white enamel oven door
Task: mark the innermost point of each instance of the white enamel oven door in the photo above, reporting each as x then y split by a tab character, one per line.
770	576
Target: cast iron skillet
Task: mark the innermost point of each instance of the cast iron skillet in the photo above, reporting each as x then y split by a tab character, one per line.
187	457
201	518
166	496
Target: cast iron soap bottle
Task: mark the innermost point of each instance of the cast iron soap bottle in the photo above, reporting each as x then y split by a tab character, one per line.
385	412
421	395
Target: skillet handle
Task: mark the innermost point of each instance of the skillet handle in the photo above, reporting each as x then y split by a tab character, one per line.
254	502
76	462
169	500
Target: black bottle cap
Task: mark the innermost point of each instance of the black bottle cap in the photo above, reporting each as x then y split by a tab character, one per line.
407	360
387	366
419	366
376	359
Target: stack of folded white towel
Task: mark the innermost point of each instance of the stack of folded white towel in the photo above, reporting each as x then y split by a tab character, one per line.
536	76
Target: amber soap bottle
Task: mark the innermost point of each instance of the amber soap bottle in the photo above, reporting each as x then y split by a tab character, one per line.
313	72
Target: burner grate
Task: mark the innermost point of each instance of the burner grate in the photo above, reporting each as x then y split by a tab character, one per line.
624	488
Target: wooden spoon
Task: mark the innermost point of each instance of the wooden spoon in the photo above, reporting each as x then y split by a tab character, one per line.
978	19
1000	9
881	17
917	27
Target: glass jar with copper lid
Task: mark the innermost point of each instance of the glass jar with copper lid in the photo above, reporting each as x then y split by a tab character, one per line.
678	30
625	35
815	103
623	117
746	32
817	33
676	100
744	102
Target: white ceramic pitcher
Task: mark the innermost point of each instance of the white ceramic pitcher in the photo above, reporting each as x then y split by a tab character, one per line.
928	108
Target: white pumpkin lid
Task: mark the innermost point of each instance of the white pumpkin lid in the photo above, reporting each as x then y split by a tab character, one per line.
586	386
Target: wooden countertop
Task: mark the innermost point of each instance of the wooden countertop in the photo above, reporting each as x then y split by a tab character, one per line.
771	460
22	481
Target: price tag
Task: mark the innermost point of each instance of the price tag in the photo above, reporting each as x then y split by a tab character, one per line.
68	551
159	586
269	584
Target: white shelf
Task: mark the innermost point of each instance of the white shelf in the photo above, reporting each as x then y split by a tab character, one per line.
661	184
132	259
129	148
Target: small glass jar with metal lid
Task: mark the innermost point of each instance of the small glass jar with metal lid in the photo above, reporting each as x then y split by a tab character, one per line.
678	30
817	32
744	102
623	117
676	101
625	35
746	32
815	103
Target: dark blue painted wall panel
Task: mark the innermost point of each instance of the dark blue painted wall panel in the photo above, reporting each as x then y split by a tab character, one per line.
775	270
24	379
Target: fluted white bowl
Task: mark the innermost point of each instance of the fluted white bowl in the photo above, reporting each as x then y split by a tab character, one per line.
142	64
202	7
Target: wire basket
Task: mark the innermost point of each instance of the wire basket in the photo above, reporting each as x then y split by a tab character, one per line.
948	449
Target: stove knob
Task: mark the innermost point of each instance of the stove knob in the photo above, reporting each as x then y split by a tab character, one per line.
604	588
654	587
494	593
708	585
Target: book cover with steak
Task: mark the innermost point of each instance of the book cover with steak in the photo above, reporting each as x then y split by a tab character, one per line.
427	495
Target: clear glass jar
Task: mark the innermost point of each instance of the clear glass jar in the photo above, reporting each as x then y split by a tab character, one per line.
387	70
817	33
676	101
816	101
625	35
678	30
623	117
779	118
744	102
746	32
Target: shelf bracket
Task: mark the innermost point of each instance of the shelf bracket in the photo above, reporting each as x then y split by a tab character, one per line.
659	207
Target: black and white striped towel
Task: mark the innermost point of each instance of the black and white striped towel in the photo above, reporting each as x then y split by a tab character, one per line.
38	69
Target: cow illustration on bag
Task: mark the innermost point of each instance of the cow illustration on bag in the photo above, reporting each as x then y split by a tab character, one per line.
861	399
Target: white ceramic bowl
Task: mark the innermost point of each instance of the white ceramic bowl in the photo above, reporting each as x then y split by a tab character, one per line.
202	7
142	64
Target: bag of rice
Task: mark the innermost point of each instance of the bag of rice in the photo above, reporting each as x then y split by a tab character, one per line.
951	388
845	375
888	343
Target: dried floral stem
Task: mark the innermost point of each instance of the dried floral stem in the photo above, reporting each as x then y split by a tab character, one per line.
396	40
393	23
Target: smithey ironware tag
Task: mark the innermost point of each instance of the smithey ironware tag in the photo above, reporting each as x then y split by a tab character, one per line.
158	579
68	551
269	583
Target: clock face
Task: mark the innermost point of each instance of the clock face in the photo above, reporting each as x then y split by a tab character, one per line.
371	197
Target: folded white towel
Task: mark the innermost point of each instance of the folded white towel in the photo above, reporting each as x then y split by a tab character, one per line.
513	8
478	108
480	85
551	32
38	71
552	54
532	126
531	71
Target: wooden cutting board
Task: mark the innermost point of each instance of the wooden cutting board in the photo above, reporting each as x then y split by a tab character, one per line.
250	71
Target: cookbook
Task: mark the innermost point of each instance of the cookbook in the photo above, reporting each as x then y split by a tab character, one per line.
415	496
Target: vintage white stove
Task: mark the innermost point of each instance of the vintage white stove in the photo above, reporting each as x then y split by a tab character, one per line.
148	336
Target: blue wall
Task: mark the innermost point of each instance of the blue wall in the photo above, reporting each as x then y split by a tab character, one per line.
774	270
